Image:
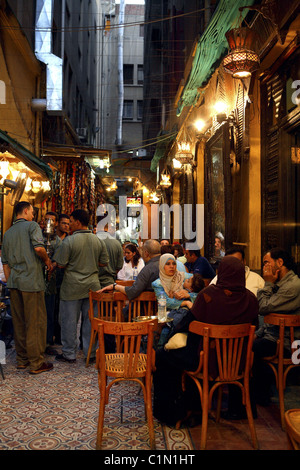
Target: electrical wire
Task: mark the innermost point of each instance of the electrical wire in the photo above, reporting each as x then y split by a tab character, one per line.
103	28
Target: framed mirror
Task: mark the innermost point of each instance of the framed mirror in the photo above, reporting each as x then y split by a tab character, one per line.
217	190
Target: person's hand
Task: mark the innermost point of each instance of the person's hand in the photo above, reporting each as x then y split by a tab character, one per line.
105	289
186	303
50	266
181	294
268	274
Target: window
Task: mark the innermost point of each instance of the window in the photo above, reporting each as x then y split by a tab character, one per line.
128	74
140	110
128	109
140	74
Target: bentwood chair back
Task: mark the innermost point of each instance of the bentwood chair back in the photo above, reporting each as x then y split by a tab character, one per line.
279	363
109	307
226	358
143	305
292	425
124	283
130	365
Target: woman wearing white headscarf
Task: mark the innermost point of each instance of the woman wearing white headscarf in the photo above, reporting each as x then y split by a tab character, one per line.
170	283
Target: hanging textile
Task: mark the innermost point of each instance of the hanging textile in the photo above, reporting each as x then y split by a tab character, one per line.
73	188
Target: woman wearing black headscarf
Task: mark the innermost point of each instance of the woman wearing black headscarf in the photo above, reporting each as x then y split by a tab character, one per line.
226	303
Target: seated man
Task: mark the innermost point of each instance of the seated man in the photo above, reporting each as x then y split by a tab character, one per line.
198	264
281	294
253	280
149	273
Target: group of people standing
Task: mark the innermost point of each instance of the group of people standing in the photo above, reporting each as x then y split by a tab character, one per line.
83	261
25	259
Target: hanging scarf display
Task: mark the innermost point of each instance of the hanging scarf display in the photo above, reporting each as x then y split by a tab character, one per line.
73	187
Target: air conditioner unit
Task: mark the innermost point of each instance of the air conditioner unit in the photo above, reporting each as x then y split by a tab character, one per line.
109	7
82	131
142	152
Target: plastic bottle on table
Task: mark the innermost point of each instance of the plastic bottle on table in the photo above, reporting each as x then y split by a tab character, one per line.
135	273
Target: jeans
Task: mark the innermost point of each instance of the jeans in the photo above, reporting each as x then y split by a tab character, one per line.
69	313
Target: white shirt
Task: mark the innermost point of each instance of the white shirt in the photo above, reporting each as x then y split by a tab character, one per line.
126	273
253	280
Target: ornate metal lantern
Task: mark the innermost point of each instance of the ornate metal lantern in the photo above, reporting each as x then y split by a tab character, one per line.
165	180
184	154
242	60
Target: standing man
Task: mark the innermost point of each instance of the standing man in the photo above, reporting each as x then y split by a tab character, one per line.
22	252
80	254
108	274
62	231
50	284
63	226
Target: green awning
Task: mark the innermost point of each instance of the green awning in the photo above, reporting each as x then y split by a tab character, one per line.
11	145
163	141
211	48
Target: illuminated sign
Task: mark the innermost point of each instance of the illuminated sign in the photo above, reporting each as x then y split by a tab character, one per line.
134	201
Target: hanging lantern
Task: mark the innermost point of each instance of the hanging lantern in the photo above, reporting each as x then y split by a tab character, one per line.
242	60
184	154
165	180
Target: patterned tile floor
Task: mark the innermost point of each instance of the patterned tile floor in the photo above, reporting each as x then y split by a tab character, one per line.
58	410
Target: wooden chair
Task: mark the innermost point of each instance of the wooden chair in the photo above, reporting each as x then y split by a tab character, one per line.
281	365
226	345
124	283
143	305
109	307
131	365
292	425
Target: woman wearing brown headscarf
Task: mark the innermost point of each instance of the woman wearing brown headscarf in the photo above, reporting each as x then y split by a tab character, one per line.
226	303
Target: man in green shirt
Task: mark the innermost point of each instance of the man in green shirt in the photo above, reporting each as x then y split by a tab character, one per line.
108	274
80	254
22	251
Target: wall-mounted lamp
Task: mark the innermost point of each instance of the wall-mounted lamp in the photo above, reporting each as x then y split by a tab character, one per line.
176	164
221	111
242	60
153	197
202	130
199	125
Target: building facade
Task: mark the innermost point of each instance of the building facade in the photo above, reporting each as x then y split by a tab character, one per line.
242	164
22	78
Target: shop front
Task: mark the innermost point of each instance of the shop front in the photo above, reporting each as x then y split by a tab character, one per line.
24	177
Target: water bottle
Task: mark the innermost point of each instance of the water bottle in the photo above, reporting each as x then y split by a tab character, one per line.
135	273
162	307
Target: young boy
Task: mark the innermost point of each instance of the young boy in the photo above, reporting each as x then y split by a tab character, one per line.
194	285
